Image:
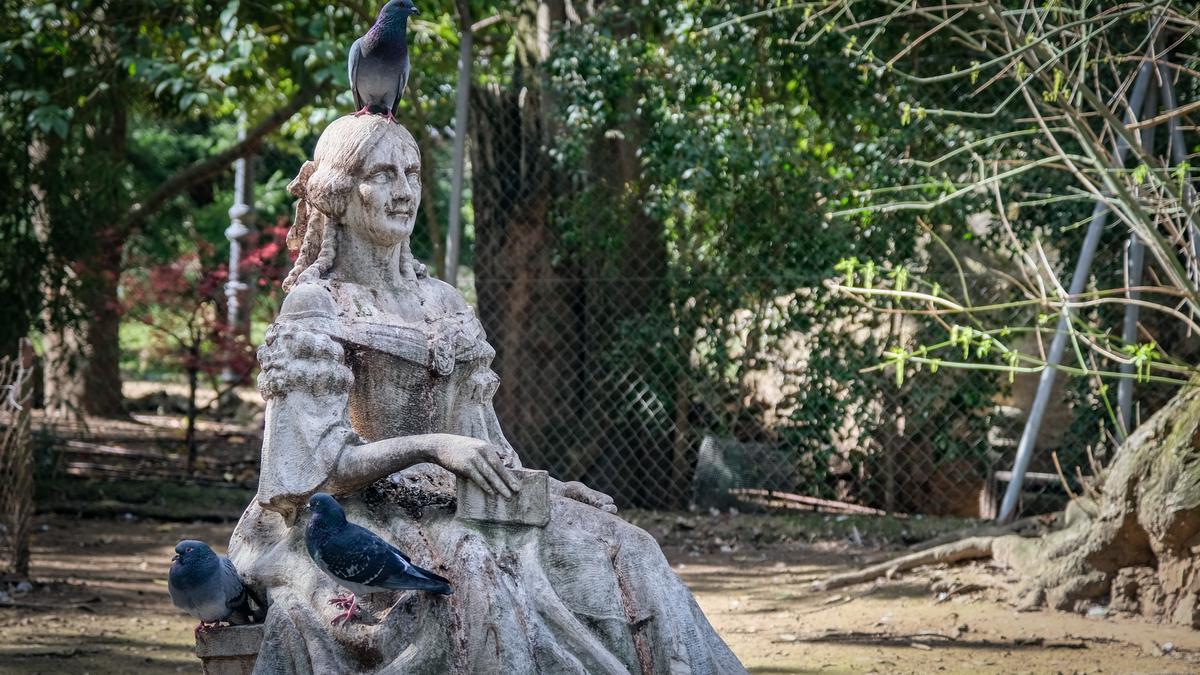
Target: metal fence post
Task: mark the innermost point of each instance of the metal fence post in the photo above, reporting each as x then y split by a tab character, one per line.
1134	268
1078	282
454	227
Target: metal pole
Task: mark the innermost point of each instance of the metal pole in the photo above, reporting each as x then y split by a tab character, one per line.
454	228
1135	265
1078	282
240	215
1178	149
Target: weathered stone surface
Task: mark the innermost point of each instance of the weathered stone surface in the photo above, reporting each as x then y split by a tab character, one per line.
530	506
379	390
229	650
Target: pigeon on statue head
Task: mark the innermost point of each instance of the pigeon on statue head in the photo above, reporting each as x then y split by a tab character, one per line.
358	559
207	586
379	61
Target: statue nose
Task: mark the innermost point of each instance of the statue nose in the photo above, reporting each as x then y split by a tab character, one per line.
402	191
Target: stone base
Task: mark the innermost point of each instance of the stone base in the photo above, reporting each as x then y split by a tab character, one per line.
230	650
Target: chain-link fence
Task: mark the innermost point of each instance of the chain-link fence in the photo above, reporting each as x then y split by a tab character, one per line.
656	362
672	407
667	382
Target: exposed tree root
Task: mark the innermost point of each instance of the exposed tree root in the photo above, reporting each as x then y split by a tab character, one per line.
1131	547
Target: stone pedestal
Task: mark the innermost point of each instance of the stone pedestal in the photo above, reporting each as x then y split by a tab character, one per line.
229	650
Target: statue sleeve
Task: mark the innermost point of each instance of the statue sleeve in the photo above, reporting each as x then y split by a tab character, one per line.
306	384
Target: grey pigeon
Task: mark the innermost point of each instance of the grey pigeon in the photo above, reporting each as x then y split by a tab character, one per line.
207	586
359	559
379	61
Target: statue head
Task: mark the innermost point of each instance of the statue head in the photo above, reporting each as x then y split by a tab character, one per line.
364	178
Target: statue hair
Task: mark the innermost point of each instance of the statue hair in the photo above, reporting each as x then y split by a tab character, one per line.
323	191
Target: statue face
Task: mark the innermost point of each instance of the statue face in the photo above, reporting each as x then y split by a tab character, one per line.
383	203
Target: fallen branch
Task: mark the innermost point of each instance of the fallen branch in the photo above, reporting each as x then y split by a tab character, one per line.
815	502
973	548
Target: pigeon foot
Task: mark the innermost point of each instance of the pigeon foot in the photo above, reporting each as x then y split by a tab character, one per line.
362	112
342	601
203	627
348	612
392	118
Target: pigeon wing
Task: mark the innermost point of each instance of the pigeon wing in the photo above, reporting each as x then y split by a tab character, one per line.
235	591
352	64
359	556
403	83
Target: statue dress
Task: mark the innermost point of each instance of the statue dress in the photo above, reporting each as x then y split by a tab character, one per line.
375	386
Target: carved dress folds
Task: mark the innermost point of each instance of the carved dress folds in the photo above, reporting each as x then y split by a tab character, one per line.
588	593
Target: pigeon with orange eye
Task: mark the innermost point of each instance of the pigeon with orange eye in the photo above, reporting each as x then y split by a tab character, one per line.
207	586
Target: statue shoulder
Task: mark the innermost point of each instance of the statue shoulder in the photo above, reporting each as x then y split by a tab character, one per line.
447	296
313	299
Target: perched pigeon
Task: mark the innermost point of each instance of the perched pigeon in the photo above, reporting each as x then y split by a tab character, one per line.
360	560
379	61
207	586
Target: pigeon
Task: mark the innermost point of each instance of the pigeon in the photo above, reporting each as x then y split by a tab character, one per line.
207	586
379	61
359	559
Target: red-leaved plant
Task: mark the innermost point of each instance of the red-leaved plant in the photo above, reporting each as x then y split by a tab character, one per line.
184	302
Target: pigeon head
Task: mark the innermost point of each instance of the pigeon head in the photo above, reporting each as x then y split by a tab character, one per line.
191	552
326	512
397	9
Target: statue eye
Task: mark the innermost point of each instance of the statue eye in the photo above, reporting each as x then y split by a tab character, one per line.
382	178
414	178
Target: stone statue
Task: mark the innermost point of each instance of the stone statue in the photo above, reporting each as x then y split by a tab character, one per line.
379	391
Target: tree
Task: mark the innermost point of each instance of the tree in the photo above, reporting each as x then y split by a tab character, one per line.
1057	92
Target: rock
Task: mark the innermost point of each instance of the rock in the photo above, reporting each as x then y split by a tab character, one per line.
383	397
1097	612
725	464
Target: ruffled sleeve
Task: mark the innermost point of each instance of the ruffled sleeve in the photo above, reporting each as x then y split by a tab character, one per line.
306	384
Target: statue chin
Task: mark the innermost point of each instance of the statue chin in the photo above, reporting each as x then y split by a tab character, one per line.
387	232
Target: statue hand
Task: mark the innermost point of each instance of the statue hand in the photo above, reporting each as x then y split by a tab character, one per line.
479	462
582	493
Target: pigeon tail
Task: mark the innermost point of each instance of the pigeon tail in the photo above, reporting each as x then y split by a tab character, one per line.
421	579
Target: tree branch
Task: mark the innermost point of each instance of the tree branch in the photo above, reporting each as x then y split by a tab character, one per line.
211	166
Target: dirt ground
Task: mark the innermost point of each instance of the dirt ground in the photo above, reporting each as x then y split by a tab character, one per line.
100	604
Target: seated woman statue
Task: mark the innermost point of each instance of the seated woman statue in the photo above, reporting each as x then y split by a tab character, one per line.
379	391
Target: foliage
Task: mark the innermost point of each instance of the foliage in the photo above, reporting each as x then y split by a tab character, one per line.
1059	78
746	141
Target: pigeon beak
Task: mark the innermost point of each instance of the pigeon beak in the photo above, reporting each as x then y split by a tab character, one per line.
415	11
175	558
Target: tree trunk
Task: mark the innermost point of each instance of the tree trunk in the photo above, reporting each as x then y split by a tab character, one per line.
1132	546
193	410
552	313
526	302
102	378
